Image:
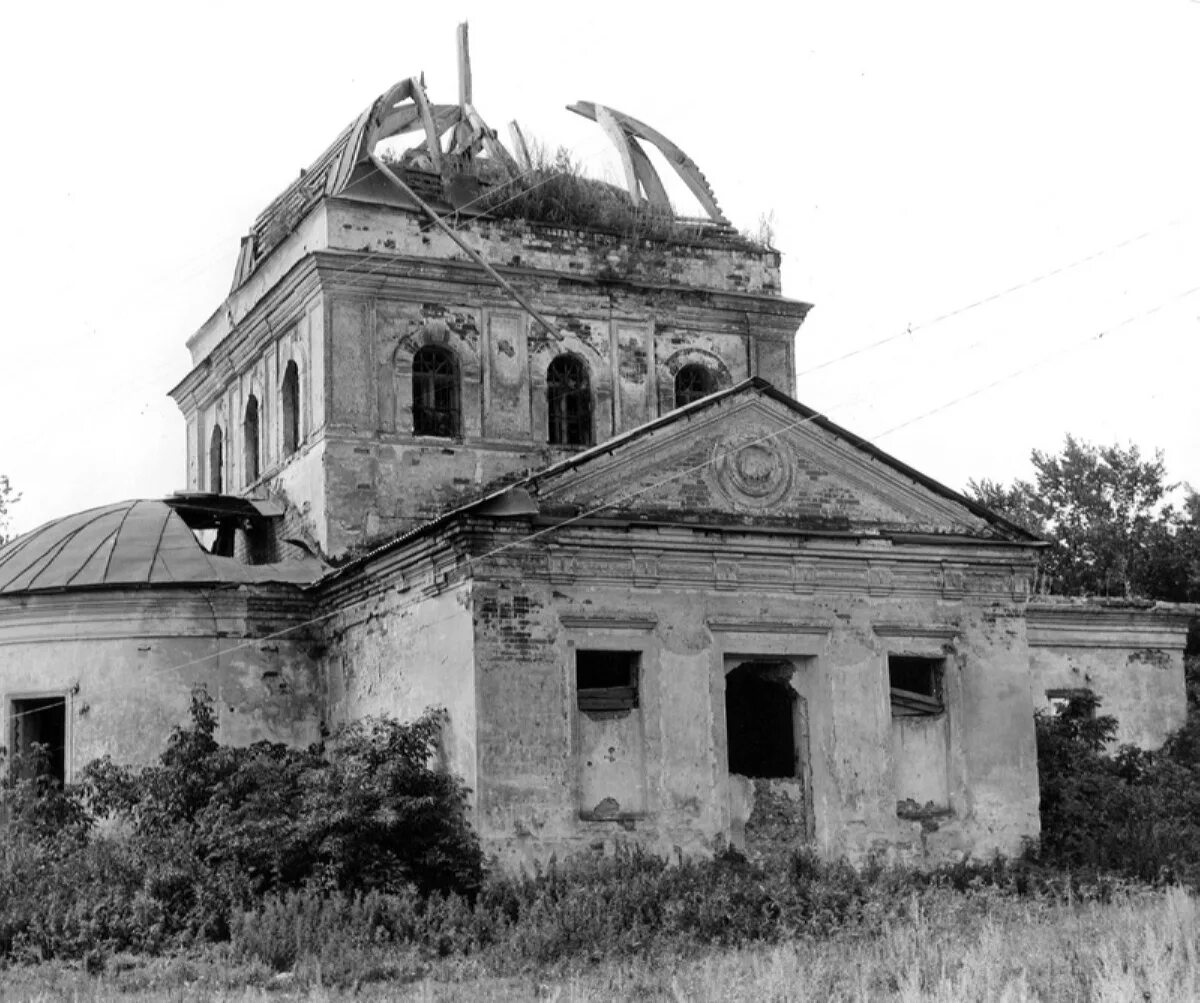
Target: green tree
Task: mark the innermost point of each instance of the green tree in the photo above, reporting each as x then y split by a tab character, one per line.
1105	512
8	498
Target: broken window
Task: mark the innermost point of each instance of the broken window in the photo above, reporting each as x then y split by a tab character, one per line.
39	737
569	402
250	428
916	686
216	461
606	680
760	720
291	408
435	393
1077	703
692	382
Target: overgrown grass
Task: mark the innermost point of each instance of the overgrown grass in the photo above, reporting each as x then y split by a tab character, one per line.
330	870
946	946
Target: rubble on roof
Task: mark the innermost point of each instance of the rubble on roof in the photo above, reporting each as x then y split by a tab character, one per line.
456	161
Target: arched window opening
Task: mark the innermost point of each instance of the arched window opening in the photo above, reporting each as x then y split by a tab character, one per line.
760	714
250	428
692	382
435	393
216	461
291	409
569	402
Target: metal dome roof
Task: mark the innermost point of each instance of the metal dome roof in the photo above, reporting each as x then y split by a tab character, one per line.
129	543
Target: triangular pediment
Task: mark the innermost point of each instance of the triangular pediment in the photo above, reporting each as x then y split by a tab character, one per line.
752	455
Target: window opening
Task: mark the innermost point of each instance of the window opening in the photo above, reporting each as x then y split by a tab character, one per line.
569	402
291	409
216	473
250	427
692	382
1076	703
606	680
435	393
39	738
916	686
760	720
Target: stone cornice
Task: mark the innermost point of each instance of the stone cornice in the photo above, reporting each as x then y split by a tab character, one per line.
1106	625
370	273
271	316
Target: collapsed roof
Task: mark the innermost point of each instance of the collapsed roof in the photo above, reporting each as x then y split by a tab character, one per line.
458	159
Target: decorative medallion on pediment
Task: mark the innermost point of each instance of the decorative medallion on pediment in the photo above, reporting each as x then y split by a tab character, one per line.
752	469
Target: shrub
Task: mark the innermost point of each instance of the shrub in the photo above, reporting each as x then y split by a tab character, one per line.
1128	811
210	830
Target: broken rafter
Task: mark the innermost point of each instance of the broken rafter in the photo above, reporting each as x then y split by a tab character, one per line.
520	147
684	166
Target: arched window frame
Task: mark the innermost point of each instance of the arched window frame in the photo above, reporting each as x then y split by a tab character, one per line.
216	461
289	394
568	402
436	395
252	440
693	382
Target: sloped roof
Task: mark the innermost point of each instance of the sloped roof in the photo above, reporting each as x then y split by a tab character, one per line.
756	384
129	543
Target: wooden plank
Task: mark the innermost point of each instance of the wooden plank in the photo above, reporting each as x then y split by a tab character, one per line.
494	147
432	136
683	165
464	67
612	129
520	147
471	253
651	183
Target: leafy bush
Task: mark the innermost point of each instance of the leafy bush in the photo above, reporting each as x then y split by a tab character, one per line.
1128	811
190	843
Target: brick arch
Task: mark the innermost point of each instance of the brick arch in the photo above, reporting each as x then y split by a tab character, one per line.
667	369
438	334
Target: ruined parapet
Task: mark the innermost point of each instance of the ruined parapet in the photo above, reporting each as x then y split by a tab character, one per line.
1126	654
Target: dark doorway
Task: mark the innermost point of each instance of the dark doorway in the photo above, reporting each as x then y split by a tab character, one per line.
40	721
760	720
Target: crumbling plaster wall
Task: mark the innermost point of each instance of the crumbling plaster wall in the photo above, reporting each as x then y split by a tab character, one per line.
128	661
687	621
1130	656
399	651
382	479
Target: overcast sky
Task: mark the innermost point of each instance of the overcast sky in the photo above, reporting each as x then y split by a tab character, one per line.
917	158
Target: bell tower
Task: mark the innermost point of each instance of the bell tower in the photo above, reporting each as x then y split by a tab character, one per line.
408	327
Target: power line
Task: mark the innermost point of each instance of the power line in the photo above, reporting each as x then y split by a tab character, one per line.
687	471
992	298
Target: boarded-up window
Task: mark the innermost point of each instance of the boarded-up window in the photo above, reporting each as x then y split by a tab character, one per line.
920	734
606	680
916	686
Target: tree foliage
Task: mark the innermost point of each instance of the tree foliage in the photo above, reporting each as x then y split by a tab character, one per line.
8	498
1106	512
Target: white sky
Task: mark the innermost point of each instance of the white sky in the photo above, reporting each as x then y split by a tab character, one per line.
917	157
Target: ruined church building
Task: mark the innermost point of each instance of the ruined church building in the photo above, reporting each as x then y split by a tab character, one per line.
549	476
